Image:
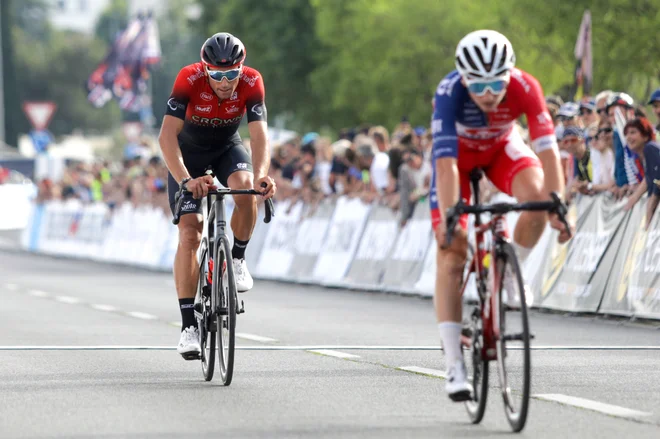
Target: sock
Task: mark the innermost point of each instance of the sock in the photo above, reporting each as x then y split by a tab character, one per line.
238	251
450	334
187	313
522	252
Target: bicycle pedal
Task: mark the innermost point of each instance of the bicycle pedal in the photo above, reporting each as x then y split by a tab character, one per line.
190	356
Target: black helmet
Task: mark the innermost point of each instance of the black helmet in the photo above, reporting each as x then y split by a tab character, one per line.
223	50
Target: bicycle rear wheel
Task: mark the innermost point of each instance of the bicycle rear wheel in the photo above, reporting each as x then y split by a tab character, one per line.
226	321
205	316
513	342
477	368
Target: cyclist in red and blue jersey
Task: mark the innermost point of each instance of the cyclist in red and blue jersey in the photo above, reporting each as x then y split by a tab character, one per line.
475	110
200	130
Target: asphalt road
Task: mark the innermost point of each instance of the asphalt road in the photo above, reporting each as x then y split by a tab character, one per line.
138	387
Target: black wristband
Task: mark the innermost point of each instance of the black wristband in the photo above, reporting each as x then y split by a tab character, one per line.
183	182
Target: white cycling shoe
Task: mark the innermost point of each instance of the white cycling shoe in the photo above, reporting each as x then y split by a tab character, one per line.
189	344
457	386
244	281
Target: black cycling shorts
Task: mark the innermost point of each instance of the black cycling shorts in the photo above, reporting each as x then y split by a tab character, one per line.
196	161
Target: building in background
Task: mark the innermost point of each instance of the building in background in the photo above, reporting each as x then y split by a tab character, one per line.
81	15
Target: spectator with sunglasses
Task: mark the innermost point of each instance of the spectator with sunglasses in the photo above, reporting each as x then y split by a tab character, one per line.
588	116
640	137
601	103
573	141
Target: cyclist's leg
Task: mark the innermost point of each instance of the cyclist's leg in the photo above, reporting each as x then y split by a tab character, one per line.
186	266
447	299
234	170
518	172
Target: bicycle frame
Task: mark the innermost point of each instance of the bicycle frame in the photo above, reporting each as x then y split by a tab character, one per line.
483	258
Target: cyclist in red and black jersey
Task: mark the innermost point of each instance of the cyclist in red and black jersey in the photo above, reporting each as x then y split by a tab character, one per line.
200	129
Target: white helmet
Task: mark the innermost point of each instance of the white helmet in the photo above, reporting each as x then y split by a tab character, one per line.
484	54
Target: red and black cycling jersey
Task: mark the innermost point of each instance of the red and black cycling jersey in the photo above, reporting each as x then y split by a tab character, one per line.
209	123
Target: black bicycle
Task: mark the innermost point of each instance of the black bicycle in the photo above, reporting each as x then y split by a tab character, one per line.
216	303
497	331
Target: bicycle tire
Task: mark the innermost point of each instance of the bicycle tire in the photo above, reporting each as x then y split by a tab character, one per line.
517	416
206	342
476	407
226	316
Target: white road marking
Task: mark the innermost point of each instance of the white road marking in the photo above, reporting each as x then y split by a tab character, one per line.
588	404
102	307
423	371
336	354
67	299
141	315
86	348
11	287
38	293
254	337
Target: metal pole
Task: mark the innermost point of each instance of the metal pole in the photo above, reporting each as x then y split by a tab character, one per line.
2	83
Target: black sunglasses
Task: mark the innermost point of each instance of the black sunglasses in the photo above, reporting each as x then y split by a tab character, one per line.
601	111
586	111
604	130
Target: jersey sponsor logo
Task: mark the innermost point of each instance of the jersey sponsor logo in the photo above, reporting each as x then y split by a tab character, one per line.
174	104
241	165
194	77
206	96
436	126
544	118
188	206
203	108
234	97
519	76
249	79
258	109
216	121
482	133
232	109
447	85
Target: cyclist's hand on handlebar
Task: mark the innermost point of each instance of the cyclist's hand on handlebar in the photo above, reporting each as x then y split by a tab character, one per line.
200	186
558	225
266	186
459	240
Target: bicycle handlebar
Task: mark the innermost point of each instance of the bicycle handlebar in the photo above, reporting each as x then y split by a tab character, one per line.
555	206
270	209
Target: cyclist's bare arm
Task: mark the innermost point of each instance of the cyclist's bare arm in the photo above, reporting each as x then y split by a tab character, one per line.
447	185
260	150
554	175
169	145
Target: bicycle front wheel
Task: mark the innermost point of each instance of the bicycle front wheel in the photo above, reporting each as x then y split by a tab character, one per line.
513	338
206	336
226	321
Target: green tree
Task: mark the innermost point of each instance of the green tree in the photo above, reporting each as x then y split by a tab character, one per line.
280	42
113	20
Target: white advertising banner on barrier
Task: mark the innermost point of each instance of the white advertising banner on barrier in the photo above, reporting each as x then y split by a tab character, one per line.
342	240
16	202
279	245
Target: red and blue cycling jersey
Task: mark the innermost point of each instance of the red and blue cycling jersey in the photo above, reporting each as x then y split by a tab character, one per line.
475	138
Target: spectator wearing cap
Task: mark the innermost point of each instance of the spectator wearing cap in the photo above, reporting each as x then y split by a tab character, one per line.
601	103
640	136
582	176
588	115
620	106
554	103
567	116
654	101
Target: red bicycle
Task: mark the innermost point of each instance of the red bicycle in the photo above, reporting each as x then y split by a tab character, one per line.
498	331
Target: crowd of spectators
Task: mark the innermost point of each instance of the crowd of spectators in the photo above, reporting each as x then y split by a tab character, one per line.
607	144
